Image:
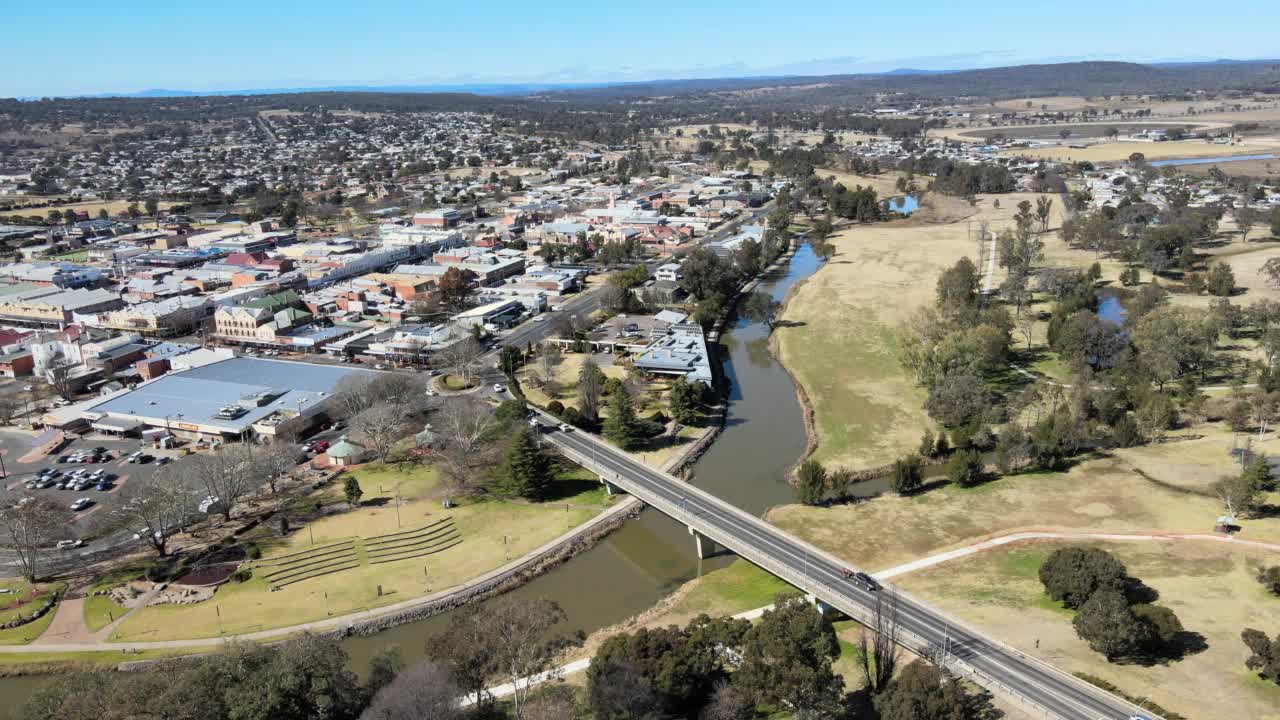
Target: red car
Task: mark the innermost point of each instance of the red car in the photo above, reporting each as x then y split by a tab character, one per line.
320	447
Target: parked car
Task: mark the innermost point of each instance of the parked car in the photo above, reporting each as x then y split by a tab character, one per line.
81	503
207	503
103	486
320	447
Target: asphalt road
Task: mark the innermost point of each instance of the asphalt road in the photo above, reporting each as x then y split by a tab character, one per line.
995	666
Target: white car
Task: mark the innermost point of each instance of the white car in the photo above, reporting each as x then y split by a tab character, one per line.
565	427
70	544
498	387
540	318
81	504
207	503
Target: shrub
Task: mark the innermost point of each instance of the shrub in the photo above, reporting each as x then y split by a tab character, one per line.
242	575
254	552
555	407
1270	578
908	475
1072	574
965	468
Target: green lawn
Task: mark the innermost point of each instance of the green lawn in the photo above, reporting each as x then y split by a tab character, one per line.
101	610
24	634
491	530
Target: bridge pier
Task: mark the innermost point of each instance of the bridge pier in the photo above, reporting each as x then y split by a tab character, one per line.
706	546
611	488
822	607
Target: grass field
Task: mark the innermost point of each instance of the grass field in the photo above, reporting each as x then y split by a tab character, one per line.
1097	495
884	184
1120	151
1209	586
492	531
840	334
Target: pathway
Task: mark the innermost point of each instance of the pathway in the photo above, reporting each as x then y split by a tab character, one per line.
915	565
989	277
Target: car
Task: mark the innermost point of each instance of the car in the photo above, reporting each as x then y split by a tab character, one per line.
28	388
498	387
208	503
565	427
866	581
146	530
320	447
433	372
540	318
431	393
164	460
1139	717
533	423
81	503
70	544
557	308
30	484
97	474
381	366
135	456
103	486
62	402
62	458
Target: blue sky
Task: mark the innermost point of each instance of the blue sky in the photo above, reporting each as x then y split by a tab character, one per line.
93	46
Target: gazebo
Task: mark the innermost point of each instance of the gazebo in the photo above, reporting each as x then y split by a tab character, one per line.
344	452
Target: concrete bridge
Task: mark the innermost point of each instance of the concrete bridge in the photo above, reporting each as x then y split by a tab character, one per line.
1046	691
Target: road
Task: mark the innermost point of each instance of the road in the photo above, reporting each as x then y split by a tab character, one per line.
921	628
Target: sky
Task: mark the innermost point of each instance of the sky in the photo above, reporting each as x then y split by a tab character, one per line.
78	47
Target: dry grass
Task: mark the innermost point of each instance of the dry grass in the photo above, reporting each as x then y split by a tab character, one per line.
1098	495
884	184
1209	586
843	345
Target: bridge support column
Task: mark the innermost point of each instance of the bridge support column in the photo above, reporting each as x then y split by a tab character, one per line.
706	546
822	607
611	488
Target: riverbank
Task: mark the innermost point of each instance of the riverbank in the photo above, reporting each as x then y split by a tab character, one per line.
838	331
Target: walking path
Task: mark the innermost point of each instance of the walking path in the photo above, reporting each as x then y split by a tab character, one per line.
927	562
989	277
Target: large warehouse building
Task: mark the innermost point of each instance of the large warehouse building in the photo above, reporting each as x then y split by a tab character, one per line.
236	398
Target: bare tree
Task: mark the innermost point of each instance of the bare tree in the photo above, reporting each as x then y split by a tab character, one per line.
279	459
58	376
878	643
352	395
29	527
549	358
229	474
1246	218
155	508
8	409
424	690
523	643
405	391
380	427
465	424
463	356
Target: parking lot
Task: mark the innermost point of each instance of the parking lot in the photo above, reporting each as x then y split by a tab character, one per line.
111	469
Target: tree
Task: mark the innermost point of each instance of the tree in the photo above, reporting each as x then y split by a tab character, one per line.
229	474
811	482
762	307
1246	218
621	426
31	525
729	702
958	286
878	645
1270	578
957	399
787	659
549	358
1109	625
424	690
383	668
618	690
965	468
908	475
925	692
590	388
1071	575
463	356
466	649
525	472
59	377
454	288
685	401
523	643
1221	281
466	425
1044	208
351	490
380	427
1264	654
154	507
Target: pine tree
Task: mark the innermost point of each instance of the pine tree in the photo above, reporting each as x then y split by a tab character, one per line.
525	472
351	488
620	426
683	402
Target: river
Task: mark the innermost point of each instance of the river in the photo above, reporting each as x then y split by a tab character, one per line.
649	557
